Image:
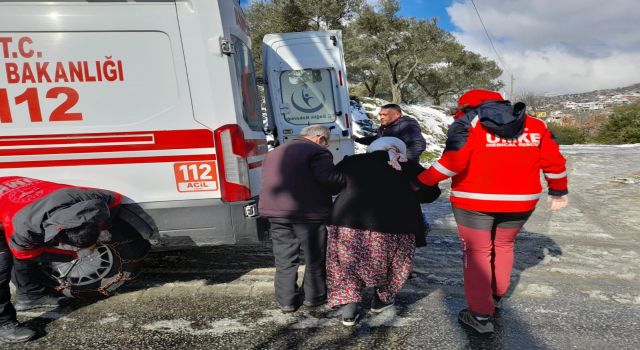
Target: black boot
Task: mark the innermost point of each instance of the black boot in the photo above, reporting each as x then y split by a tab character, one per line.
350	314
13	332
45	301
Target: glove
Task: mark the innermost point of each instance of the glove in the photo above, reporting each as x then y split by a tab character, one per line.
83	253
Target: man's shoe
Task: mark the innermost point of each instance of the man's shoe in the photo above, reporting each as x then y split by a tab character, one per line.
378	306
309	303
287	309
497	302
350	314
45	301
480	324
13	332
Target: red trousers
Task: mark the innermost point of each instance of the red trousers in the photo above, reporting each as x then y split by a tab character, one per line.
487	244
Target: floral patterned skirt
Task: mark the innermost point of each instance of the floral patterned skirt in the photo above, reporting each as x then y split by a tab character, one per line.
359	258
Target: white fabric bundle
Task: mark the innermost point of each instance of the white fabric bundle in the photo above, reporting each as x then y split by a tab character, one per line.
394	146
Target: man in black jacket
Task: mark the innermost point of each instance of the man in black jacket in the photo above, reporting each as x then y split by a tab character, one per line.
298	179
393	123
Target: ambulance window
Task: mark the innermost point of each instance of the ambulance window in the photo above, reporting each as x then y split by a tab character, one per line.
246	78
309	94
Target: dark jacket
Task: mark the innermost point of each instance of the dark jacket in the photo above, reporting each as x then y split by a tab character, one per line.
378	197
35	211
298	179
407	130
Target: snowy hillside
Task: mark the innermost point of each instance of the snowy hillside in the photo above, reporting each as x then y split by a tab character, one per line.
434	123
364	121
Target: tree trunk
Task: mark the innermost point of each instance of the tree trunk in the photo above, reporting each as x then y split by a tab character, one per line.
371	88
396	93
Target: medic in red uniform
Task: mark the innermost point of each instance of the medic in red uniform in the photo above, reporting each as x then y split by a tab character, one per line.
37	215
494	154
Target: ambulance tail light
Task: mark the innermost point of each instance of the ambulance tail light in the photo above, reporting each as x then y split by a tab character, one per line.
232	163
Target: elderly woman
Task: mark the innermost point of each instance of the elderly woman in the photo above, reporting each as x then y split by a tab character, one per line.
372	225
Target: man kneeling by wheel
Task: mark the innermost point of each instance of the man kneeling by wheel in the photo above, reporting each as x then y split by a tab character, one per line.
36	216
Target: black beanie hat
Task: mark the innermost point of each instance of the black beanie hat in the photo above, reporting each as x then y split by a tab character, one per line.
78	224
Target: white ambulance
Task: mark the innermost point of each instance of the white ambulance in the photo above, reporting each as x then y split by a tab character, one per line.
156	100
306	83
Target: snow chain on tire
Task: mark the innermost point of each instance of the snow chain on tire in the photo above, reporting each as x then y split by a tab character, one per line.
126	249
113	282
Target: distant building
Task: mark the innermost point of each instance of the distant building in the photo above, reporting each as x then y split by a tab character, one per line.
584	106
541	115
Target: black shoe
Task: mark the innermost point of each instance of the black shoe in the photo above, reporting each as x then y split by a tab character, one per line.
45	301
480	324
350	314
378	306
287	309
309	303
13	332
497	302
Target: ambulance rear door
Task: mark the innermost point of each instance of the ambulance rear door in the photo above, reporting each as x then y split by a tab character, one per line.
306	84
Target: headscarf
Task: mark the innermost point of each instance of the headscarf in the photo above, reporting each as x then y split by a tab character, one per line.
396	149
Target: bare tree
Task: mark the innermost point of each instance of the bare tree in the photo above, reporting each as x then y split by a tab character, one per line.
532	100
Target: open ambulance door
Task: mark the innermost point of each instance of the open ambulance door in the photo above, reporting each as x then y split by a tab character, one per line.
306	84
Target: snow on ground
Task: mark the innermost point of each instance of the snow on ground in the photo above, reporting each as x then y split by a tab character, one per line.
364	121
360	124
434	124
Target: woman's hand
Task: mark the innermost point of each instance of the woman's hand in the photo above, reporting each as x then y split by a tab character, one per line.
558	202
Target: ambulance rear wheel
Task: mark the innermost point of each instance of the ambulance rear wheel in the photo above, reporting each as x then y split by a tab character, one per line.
113	263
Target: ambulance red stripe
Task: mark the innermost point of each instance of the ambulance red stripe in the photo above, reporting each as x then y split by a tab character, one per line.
70	141
106	142
254	165
256	147
61	144
107	161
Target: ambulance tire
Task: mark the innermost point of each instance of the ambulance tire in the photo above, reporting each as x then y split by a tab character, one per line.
121	258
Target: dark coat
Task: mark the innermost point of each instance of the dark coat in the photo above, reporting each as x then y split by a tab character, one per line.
298	179
34	212
378	197
407	130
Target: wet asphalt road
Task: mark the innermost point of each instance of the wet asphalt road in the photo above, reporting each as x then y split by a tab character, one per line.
575	286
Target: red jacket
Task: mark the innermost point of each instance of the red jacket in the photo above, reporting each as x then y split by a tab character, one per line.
495	153
26	203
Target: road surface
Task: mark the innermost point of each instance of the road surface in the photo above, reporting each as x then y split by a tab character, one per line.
575	286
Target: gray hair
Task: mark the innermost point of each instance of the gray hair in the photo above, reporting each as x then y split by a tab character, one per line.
315	130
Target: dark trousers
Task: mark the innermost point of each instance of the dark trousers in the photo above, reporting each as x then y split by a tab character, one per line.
288	239
28	287
7	312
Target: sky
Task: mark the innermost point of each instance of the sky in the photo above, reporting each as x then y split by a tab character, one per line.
548	46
